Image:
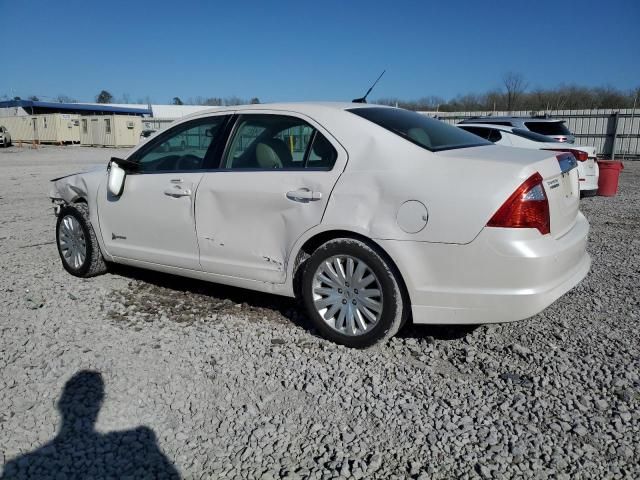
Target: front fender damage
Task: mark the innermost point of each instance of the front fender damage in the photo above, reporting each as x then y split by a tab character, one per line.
73	188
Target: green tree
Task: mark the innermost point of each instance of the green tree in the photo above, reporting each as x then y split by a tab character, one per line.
104	97
176	101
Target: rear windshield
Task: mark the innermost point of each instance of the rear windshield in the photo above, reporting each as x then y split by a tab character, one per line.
426	132
548	128
536	137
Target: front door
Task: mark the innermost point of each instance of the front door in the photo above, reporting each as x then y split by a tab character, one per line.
273	185
96	133
153	219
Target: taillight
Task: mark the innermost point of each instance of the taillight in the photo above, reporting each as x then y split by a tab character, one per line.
527	207
579	154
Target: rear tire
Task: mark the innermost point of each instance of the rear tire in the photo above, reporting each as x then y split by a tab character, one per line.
77	242
342	313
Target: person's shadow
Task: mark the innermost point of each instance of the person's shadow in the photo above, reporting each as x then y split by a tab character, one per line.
78	451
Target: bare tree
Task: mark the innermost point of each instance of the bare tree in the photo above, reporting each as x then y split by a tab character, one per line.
515	85
64	99
233	100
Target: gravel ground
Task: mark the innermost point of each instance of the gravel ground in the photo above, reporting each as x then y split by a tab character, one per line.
141	374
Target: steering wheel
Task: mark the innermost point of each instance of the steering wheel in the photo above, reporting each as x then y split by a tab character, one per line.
188	162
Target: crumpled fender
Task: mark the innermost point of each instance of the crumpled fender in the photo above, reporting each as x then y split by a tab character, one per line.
72	187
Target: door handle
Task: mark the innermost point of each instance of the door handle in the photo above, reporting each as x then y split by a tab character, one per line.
177	192
304	195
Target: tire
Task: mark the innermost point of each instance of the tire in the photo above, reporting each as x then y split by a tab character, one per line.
322	298
73	225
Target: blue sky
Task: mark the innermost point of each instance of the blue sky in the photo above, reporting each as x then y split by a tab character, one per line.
302	50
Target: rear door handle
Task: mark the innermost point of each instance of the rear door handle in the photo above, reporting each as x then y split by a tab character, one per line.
304	195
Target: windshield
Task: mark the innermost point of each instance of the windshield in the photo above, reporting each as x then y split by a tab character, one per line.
536	137
426	132
548	128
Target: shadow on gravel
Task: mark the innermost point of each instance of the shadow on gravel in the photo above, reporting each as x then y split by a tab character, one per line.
183	299
78	451
437	332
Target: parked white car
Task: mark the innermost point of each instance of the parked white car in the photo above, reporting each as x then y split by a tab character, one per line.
588	171
371	215
5	137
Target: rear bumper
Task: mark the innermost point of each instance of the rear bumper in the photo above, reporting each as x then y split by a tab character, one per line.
588	173
503	275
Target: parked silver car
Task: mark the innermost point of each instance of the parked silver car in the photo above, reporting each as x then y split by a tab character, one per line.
549	127
5	137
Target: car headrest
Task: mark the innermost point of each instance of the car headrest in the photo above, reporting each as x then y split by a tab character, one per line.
273	153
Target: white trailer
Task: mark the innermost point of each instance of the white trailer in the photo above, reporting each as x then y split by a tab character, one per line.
57	128
110	130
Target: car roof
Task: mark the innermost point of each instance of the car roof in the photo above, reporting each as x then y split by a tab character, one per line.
300	107
523	119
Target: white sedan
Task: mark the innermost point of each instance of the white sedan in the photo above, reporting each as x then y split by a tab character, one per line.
371	215
588	171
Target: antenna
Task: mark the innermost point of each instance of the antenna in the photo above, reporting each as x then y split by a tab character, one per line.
364	99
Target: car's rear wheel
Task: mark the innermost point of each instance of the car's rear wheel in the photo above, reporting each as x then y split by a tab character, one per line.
352	293
588	193
77	243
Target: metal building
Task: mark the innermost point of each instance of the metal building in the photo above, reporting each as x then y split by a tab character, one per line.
57	128
110	130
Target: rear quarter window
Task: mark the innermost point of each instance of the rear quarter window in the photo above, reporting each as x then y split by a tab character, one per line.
426	132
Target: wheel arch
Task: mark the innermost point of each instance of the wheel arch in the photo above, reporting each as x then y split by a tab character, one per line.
309	244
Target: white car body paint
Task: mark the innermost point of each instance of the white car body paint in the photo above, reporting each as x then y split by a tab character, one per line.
588	171
239	228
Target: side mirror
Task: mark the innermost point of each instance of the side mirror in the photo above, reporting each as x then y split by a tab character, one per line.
116	179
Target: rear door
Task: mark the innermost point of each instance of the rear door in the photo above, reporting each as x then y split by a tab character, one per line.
274	181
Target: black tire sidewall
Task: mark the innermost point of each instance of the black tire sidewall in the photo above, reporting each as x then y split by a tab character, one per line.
70	210
389	285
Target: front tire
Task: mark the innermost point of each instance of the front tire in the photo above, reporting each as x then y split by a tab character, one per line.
352	294
77	242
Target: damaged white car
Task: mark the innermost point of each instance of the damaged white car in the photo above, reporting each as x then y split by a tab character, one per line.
370	215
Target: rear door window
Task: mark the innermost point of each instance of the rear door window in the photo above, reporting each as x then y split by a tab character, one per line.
277	142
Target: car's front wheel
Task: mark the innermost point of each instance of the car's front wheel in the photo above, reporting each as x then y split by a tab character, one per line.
77	243
352	293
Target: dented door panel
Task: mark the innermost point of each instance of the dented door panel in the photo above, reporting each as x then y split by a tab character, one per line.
247	224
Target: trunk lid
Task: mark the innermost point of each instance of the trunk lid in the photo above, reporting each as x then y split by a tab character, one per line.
563	194
503	169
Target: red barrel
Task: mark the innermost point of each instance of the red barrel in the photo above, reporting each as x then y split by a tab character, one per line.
608	179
